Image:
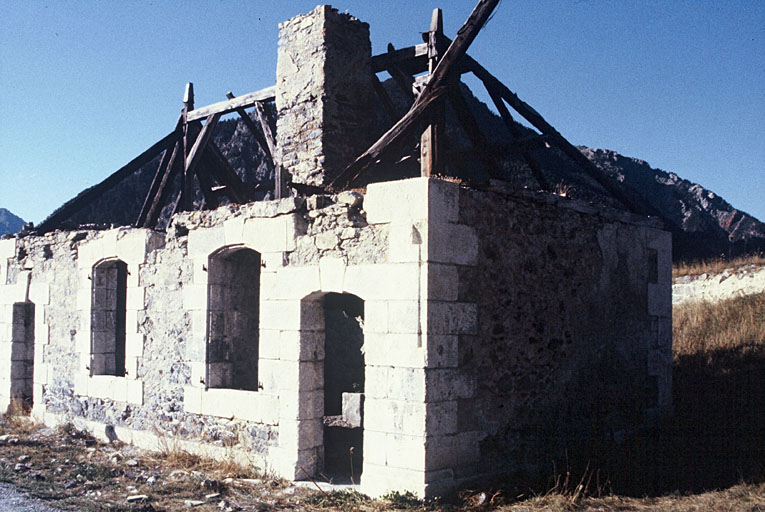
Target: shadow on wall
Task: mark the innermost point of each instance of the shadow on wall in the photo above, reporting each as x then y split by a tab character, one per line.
715	437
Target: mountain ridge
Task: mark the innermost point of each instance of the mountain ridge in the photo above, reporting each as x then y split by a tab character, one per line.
703	224
10	223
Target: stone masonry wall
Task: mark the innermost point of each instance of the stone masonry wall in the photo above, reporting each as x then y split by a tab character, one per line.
497	329
716	287
324	83
163	391
573	338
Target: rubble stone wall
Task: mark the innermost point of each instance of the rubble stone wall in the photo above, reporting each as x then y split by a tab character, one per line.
572	337
716	287
306	250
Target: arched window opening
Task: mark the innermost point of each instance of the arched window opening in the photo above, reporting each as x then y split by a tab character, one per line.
233	319
107	322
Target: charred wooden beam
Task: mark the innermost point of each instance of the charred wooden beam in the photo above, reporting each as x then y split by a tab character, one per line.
71	207
225	174
459	46
159	177
406	58
431	157
207	186
226	107
174	167
532	162
404	80
401	129
281	182
259	135
433	91
268	130
193	158
385	99
473	131
190	132
532	116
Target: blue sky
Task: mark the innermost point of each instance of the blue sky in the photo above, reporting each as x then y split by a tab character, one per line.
86	86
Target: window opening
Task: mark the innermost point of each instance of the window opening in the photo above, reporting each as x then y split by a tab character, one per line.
233	319
107	321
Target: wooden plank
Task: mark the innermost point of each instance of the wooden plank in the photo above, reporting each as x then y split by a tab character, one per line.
434	90
532	162
190	131
387	103
226	107
174	167
404	80
436	30
225	174
206	185
281	182
401	129
473	131
195	155
268	130
71	207
533	117
406	57
459	46
431	153
159	178
256	132
188	97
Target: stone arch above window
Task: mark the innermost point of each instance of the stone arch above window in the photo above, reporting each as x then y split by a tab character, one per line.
233	319
108	318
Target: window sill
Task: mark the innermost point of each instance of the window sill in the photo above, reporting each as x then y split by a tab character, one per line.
110	387
238	404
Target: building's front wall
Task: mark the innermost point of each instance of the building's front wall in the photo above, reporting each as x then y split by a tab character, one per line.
306	252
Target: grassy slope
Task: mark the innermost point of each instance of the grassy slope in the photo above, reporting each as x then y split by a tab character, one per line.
716	266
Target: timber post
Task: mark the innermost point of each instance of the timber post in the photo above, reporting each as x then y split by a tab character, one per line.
431	156
188	178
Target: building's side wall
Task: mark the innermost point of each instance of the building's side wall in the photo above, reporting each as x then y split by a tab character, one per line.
572	336
546	323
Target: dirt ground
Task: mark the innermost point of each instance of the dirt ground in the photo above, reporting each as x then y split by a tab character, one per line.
69	470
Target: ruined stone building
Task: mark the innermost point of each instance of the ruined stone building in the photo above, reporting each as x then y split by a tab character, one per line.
444	332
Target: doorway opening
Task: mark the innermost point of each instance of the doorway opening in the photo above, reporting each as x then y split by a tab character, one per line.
343	387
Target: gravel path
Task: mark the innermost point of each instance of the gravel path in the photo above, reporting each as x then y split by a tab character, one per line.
12	500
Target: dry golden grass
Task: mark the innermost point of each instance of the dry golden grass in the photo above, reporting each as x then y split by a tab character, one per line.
716	266
734	324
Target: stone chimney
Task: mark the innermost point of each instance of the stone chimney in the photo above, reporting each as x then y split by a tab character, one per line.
323	94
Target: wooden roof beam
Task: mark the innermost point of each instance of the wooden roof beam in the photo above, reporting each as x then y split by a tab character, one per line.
225	174
473	131
259	135
73	206
226	107
433	91
411	56
536	119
